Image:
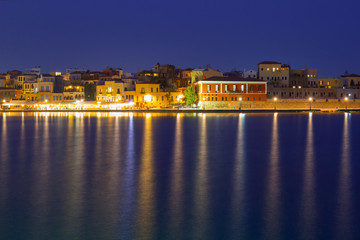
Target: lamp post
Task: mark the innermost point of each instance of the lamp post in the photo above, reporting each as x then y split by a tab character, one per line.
310	100
240	99
346	99
275	99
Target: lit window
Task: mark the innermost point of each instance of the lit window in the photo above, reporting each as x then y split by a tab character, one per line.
208	88
216	87
242	88
226	88
268	69
234	88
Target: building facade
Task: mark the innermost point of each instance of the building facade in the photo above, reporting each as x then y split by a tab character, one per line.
231	89
274	73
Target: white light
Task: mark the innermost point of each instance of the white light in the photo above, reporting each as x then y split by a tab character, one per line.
147	98
275	98
310	99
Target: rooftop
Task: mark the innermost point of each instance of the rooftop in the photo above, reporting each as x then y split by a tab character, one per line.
269	62
233	79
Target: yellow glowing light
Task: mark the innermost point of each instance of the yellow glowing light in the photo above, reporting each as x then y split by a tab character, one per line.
240	99
181	96
46	100
275	99
310	99
4	101
148	115
346	99
98	102
147	98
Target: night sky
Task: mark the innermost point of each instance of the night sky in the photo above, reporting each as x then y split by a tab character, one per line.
227	34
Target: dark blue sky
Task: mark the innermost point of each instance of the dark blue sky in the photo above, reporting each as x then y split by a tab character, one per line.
134	34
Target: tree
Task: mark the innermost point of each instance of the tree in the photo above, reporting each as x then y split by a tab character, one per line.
190	96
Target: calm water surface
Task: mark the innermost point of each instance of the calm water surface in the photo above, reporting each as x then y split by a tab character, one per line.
192	176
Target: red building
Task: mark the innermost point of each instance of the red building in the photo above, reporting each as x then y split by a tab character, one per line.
231	89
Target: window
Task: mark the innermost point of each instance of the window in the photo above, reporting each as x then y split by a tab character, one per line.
216	87
208	88
151	89
259	88
259	98
47	88
242	88
234	88
42	88
226	88
251	88
222	98
254	98
157	89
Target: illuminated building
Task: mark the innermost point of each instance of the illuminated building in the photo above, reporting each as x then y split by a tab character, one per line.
110	91
274	73
226	89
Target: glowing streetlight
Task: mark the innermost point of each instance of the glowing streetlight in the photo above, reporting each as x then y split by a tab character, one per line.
310	100
4	101
240	99
147	98
275	99
346	99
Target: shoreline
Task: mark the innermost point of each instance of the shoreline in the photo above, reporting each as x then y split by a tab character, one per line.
195	110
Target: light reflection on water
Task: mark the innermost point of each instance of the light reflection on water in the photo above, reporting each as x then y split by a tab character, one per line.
95	176
344	223
272	205
308	209
200	200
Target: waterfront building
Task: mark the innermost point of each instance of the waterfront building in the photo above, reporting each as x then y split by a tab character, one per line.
21	79
90	91
204	73
34	71
151	95
330	83
46	78
250	74
274	73
30	97
6	94
129	83
226	89
73	92
301	93
183	79
351	81
303	78
110	91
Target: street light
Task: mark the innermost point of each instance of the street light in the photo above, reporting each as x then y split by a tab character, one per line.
240	99
346	99
310	100
275	99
